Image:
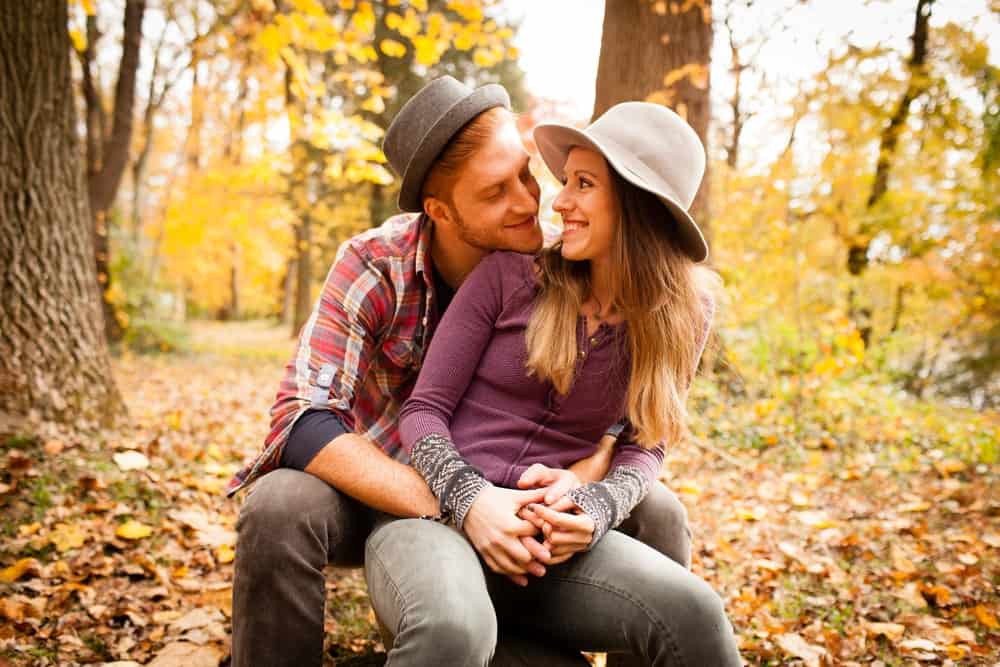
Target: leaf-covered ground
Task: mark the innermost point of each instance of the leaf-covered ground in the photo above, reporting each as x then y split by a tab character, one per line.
839	539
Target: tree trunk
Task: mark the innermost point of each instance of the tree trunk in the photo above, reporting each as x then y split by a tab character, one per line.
660	52
107	154
303	275
54	362
234	282
857	251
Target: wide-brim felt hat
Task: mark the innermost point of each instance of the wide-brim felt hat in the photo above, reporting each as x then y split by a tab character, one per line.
425	125
649	146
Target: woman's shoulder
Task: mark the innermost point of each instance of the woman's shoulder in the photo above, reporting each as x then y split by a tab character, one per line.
511	268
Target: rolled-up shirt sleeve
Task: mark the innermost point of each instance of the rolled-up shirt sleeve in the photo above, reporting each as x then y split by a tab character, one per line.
310	433
334	350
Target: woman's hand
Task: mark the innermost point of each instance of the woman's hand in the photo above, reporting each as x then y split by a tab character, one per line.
567	530
504	540
557	481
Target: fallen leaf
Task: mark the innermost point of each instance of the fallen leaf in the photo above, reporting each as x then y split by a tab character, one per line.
754	514
19	569
196	618
939	596
53	447
66	536
768	564
816	519
986	617
968	559
794	645
916	506
185	654
688	488
133	530
919	645
225	553
948	467
131	460
891	631
899	560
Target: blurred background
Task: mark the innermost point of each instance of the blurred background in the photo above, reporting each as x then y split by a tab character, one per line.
177	175
851	199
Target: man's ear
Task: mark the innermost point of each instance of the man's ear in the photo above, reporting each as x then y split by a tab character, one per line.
437	210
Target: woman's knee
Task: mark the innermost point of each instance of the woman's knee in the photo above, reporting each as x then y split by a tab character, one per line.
459	636
660	521
695	619
427	587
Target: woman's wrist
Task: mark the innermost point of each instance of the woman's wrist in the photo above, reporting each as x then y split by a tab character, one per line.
610	501
455	483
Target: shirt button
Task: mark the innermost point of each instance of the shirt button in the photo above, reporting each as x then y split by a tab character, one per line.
593	340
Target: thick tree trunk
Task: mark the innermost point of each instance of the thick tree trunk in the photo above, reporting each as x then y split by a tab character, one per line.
54	363
659	51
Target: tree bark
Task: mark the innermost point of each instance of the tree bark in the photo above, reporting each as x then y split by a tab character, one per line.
857	251
108	152
303	274
857	257
54	362
644	44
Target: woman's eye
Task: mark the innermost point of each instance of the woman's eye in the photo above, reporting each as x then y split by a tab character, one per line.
584	183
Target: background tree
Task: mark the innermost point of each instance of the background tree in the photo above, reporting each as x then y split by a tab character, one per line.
109	138
659	51
54	363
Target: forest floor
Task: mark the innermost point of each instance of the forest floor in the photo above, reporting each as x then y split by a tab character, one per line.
829	549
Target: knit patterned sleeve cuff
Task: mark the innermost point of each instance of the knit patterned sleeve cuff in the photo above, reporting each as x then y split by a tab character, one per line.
610	501
455	483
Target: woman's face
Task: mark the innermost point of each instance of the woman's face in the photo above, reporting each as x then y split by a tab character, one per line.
588	206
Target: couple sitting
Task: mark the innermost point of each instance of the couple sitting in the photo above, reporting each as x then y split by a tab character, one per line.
548	386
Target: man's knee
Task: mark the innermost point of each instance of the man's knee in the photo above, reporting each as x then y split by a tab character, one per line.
660	521
293	510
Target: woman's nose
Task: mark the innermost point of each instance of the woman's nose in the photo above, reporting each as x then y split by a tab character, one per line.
561	203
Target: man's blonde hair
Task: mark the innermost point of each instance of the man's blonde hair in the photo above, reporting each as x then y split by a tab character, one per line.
441	177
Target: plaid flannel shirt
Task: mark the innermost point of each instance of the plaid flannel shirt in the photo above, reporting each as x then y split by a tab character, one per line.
359	352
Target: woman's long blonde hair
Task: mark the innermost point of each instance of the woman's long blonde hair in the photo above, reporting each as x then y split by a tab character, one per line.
666	301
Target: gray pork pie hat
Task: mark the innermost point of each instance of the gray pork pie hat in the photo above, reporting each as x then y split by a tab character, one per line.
425	125
651	147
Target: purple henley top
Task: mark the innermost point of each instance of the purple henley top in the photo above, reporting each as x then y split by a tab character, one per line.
474	388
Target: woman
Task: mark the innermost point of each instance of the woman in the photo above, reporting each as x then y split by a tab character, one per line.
537	357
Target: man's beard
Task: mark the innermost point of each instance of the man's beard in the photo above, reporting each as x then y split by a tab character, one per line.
486	240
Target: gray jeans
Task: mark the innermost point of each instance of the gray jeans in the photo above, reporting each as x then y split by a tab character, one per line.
431	590
292	524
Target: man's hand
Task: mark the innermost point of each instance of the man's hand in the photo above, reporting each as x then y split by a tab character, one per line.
504	540
557	481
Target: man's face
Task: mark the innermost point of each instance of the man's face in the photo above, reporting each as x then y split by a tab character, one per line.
495	198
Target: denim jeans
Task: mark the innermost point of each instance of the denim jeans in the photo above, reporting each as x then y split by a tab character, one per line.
292	524
443	606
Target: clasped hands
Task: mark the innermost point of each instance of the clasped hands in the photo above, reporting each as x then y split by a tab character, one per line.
505	525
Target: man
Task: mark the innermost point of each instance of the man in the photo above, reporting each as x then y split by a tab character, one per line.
332	460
